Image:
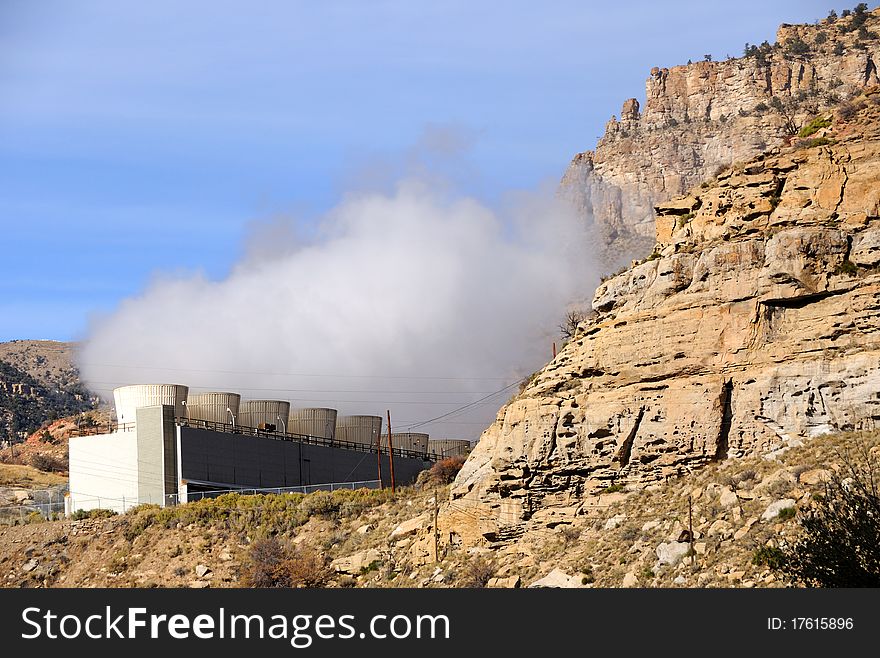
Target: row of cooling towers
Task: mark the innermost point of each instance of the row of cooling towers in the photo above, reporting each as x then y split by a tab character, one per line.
229	408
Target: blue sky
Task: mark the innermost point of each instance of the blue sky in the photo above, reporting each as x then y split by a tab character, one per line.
142	138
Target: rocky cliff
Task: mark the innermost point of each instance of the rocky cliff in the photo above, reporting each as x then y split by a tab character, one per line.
707	115
753	325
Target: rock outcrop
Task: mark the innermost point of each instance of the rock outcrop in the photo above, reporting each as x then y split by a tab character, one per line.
753	325
707	115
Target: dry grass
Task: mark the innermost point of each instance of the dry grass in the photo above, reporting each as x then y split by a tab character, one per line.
28	477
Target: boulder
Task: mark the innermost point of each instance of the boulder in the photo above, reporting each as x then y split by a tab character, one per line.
558	578
815	476
354	564
773	509
614	522
671	553
510	582
728	498
409	527
202	570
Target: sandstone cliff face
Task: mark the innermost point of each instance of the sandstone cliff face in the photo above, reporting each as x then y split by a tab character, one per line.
753	325
706	115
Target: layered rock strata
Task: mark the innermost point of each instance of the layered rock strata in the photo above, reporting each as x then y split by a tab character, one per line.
752	326
702	116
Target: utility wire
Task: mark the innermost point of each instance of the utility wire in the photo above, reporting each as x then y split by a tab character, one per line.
467	406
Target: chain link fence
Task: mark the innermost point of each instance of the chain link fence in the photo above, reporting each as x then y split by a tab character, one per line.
59	501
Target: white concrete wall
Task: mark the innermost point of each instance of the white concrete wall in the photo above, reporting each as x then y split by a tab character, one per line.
104	472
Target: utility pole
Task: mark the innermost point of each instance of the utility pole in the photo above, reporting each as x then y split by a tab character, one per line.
390	450
379	458
691	530
436	528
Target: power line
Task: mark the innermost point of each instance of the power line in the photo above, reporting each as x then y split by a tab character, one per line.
467	406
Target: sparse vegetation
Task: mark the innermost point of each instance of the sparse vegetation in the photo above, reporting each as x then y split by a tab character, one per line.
847	268
81	514
47	463
811	143
568	328
786	513
442	472
814	126
477	572
796	46
768	556
273	563
839	544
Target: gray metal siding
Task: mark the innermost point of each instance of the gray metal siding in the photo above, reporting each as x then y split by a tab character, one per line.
150	442
250	461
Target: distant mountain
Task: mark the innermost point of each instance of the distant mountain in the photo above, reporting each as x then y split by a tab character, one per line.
39	382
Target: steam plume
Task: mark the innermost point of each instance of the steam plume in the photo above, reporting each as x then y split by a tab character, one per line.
410	300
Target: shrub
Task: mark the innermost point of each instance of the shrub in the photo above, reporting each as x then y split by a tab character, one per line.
81	514
612	488
847	267
568	328
272	563
570	534
768	556
477	572
797	46
34	517
320	503
761	107
47	463
847	110
445	470
839	543
811	143
786	514
814	126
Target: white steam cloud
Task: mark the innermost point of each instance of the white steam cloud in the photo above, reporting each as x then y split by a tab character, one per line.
407	300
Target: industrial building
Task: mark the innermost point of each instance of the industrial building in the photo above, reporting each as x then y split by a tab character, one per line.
170	446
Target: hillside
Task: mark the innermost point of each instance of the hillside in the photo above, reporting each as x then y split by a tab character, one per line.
707	115
38	383
753	325
376	539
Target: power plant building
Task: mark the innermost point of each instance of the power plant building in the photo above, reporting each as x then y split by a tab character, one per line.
168	448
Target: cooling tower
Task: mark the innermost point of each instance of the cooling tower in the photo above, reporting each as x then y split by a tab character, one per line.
414	441
253	413
212	406
449	447
130	398
313	422
359	429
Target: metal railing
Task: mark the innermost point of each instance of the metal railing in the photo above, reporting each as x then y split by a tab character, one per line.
92	430
228	428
